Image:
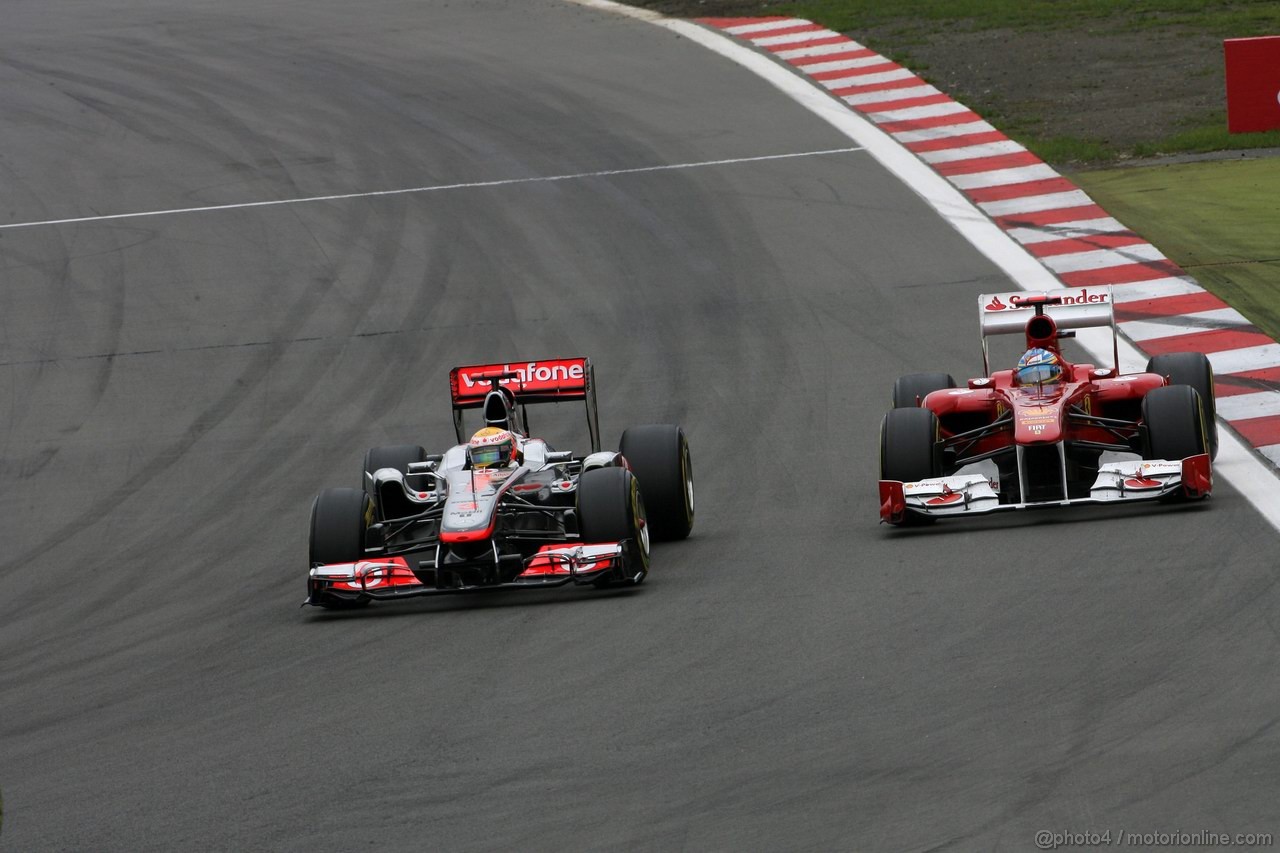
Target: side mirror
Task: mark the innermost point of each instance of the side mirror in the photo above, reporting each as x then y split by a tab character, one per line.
603	459
421	483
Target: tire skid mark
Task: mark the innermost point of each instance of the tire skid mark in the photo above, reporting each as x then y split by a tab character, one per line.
303	307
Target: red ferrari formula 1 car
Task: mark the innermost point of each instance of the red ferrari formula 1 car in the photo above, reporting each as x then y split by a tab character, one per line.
1048	432
502	509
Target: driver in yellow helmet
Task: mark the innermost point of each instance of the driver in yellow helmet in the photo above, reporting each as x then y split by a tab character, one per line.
492	447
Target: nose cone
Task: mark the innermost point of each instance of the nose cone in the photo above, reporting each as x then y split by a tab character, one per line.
1038	420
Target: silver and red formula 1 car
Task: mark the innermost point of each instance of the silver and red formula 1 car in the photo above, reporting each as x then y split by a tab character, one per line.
1058	433
457	522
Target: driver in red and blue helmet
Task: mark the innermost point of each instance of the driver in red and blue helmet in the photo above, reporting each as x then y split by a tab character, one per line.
1038	367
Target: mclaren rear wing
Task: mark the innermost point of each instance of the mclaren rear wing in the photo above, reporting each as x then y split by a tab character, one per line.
553	380
1070	308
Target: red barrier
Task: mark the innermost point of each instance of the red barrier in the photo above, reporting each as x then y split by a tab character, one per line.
1253	84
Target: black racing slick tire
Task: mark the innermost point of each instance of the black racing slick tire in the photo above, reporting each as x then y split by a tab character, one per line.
909	449
1174	421
398	456
611	509
392	504
339	518
910	390
658	454
1194	369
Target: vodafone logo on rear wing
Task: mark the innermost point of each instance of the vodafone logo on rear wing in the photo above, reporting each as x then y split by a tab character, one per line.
546	377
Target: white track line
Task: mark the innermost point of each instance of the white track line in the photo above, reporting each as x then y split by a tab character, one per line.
1099	259
818	50
792	38
748	29
1244	406
1156	288
1187	324
1243	359
942	131
1003	177
1068	230
972	152
1236	462
913	113
881	96
841	64
871	78
430	189
1036	203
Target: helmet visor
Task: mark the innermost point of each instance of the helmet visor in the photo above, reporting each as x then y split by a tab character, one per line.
1039	374
482	457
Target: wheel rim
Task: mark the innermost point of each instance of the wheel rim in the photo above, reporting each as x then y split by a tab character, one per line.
688	481
640	522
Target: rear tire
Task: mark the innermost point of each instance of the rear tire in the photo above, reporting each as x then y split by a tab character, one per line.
658	455
909	449
338	521
1194	369
1175	423
909	391
610	509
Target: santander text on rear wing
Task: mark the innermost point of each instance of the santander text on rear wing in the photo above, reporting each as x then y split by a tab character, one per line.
1070	308
551	380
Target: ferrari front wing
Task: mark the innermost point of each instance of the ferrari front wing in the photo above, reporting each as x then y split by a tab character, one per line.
974	494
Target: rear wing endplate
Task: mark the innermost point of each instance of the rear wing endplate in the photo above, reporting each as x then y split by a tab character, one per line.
552	380
1070	308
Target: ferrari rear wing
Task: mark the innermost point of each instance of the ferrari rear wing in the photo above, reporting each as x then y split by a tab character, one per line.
552	380
1070	308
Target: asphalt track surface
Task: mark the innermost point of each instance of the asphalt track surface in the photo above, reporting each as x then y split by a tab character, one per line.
175	389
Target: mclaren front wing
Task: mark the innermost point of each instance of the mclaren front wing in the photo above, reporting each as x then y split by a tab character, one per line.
392	577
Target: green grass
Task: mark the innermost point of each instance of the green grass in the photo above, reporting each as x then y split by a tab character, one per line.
1067	149
906	23
1217	220
1239	18
1208	137
1072	151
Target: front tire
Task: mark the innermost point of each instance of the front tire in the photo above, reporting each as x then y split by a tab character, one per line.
339	518
658	455
909	445
1194	369
1174	418
611	509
